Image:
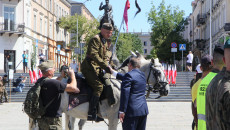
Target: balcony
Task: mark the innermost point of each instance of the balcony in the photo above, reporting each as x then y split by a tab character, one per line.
200	44
200	19
10	28
227	27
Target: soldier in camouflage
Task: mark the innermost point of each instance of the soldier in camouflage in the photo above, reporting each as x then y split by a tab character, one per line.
3	91
218	97
93	65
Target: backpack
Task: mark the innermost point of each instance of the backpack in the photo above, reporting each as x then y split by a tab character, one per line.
17	82
33	105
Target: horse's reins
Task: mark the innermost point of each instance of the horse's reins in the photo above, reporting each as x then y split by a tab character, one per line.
157	82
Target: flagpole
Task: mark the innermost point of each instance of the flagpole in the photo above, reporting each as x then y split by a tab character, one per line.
118	36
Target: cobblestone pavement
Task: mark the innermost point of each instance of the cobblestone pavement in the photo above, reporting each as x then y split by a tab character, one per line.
162	116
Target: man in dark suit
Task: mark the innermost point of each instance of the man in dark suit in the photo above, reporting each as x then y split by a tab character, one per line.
133	109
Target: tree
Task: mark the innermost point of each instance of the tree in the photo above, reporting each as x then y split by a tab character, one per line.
167	24
86	28
127	42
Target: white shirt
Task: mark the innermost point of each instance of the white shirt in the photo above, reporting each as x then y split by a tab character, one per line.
198	69
190	58
74	66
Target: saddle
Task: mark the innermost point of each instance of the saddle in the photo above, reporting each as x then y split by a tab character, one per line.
75	99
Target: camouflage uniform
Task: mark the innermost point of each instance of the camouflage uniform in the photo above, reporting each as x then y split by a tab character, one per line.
94	63
3	91
50	123
211	99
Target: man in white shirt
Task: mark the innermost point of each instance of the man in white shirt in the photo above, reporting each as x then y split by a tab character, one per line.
74	66
189	61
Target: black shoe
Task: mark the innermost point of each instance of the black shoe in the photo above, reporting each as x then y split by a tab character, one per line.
91	118
98	119
93	108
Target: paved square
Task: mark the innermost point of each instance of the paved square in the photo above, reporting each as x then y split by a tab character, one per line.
162	116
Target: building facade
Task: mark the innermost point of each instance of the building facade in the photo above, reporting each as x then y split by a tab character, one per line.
146	43
32	26
199	25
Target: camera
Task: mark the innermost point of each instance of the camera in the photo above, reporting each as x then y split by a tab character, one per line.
65	69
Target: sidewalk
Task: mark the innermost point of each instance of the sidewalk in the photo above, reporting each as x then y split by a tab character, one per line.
162	116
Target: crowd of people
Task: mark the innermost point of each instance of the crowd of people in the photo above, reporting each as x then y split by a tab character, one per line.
210	91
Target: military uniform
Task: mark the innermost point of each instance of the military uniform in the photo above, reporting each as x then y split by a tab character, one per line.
3	91
222	104
92	68
94	63
211	99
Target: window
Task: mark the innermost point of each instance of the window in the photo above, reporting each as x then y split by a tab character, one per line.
9	20
57	10
45	27
145	51
145	43
50	5
40	25
35	23
27	18
50	30
46	4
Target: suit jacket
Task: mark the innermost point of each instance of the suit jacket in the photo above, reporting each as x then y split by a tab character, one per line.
133	87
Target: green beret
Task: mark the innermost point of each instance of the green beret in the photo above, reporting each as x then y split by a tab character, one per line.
107	26
46	65
227	44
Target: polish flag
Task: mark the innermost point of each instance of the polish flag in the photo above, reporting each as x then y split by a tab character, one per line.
175	74
166	71
169	73
31	76
35	76
40	73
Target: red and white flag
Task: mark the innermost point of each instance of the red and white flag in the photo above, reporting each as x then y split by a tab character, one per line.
40	73
35	76
169	73
175	74
125	16
166	71
31	76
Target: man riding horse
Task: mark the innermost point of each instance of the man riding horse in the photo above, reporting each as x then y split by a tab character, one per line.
93	68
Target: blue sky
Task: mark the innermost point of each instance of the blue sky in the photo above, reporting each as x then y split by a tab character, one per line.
139	23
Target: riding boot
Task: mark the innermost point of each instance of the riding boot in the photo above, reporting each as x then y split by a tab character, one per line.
110	95
92	113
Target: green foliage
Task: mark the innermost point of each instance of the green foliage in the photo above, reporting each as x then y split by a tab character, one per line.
33	57
127	42
167	23
86	29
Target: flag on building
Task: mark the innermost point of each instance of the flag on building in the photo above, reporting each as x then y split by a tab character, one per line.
125	16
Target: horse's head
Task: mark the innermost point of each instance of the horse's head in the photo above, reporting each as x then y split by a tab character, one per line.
155	76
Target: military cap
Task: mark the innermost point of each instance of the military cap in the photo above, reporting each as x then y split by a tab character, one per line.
107	26
46	65
227	44
206	60
219	49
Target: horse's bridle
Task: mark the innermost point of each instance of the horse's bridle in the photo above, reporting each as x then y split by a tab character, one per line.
159	85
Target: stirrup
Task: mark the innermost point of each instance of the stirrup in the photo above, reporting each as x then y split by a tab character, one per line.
91	118
98	119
